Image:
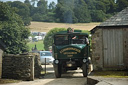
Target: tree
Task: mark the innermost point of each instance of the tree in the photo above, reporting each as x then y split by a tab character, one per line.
40	10
33	2
22	10
111	7
97	15
50	17
58	12
90	4
37	17
101	10
27	2
49	37
52	6
72	11
51	13
42	6
81	11
64	11
12	30
100	5
122	4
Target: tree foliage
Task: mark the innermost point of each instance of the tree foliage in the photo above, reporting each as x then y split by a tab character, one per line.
122	4
12	30
81	11
52	6
49	37
22	10
68	11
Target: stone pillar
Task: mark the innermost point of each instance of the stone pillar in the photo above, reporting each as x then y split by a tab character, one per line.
32	69
1	52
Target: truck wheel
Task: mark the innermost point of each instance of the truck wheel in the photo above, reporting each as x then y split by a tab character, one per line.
84	67
57	69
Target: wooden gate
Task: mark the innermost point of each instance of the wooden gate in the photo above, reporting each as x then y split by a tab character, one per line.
113	47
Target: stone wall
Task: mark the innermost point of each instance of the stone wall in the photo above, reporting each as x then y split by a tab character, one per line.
97	56
18	67
1	52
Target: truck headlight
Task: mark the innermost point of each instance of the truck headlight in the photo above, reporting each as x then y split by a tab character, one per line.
56	61
84	60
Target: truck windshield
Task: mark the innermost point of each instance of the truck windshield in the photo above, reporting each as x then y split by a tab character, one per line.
70	39
61	40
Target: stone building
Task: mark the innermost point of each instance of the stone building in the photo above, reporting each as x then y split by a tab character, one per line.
110	43
2	47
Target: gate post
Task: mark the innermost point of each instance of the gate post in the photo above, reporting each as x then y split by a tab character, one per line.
32	68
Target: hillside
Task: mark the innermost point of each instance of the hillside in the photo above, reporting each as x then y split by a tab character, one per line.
45	27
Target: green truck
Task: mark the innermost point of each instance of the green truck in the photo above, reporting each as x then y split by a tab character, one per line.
70	50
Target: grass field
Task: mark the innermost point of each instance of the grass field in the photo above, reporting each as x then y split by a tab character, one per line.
45	27
39	45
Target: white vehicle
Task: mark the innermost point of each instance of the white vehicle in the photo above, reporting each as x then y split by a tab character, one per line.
46	55
38	37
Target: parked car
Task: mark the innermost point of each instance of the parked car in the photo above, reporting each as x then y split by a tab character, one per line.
46	55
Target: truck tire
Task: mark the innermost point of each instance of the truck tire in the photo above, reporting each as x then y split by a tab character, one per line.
85	72
57	69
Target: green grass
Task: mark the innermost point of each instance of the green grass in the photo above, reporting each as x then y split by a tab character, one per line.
39	45
116	74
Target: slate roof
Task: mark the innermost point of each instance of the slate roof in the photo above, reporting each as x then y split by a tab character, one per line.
120	19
